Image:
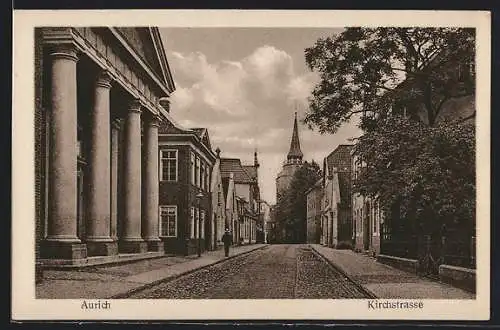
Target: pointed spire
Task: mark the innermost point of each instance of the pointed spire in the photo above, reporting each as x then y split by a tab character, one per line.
295	153
255	160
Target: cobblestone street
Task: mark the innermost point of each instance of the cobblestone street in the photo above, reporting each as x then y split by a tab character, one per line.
278	271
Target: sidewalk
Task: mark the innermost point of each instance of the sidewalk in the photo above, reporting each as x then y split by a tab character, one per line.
385	281
115	281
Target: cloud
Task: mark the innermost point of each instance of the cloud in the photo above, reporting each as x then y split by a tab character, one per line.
252	98
246	104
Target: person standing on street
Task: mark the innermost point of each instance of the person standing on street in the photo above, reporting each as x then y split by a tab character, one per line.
227	239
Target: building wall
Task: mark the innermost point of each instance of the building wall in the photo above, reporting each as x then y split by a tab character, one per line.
453	109
266	218
183	194
337	197
80	58
357	218
232	209
368	219
243	191
314	215
285	177
218	206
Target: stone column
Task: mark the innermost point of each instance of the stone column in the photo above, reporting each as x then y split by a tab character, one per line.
99	241
151	186
132	241
62	241
115	138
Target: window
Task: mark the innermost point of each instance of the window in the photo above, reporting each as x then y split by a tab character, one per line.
168	221
354	222
168	168
202	224
193	170
197	171
202	175
192	222
207	178
196	223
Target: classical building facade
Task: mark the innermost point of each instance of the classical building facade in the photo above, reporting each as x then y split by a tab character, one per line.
292	163
186	163
100	95
314	198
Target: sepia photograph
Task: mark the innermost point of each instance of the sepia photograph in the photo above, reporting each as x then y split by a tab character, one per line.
266	164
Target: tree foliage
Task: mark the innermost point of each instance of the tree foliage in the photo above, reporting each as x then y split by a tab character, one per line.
291	206
362	69
429	171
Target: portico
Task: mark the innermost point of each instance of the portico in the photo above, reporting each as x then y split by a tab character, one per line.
99	109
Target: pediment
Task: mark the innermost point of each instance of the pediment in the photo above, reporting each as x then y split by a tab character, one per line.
147	45
206	140
166	127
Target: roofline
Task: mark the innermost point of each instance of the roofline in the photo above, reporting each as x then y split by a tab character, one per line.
338	147
191	134
167	73
229	158
140	61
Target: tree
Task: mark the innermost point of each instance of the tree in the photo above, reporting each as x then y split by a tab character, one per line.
362	71
291	207
399	79
428	171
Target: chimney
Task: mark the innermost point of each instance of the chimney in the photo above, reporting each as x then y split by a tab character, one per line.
255	160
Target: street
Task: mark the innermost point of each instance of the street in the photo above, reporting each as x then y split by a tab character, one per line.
277	271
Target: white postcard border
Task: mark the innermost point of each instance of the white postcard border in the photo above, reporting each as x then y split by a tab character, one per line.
26	307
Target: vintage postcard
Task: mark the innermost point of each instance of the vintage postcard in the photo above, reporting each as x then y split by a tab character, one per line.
251	165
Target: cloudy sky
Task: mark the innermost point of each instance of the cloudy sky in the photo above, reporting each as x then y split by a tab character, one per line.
244	84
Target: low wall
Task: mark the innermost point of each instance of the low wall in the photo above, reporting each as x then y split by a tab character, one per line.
464	278
409	265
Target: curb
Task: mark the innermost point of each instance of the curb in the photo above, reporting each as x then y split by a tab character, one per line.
173	277
365	290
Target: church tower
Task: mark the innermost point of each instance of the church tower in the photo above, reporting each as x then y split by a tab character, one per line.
292	163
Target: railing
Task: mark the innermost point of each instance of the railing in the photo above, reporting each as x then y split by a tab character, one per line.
455	247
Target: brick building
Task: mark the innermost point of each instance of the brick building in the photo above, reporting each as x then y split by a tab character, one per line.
314	198
186	162
336	209
99	96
